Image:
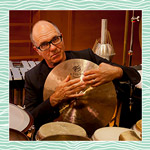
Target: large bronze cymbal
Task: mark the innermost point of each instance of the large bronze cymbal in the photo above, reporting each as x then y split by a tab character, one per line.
91	111
74	67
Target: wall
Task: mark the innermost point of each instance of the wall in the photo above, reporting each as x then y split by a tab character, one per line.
80	30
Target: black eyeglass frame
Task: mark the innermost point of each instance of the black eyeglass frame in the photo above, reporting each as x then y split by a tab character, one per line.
50	42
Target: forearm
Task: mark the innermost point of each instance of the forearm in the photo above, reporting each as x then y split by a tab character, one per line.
117	72
129	74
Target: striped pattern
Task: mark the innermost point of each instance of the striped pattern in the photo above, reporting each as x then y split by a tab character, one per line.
6	5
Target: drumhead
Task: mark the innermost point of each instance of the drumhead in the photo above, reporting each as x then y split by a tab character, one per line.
139	85
15	135
59	128
108	133
18	118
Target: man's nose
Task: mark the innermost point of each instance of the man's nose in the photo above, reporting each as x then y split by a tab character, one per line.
53	47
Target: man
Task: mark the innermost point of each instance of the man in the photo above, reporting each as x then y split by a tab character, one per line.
48	43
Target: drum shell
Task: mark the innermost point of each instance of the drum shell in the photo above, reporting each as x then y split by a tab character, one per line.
65	138
15	135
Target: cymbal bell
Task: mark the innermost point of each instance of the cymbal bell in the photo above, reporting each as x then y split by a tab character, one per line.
91	111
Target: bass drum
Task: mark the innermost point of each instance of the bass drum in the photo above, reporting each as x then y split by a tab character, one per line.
15	135
19	119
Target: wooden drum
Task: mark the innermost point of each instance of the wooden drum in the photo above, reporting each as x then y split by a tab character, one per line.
59	129
15	135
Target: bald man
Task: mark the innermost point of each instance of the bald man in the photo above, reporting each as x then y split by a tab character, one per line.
48	42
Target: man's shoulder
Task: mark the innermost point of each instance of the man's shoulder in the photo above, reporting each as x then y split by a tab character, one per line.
80	51
85	54
35	70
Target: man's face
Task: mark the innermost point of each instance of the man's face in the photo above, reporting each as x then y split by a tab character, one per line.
45	32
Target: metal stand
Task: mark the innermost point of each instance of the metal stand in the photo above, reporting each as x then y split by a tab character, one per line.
130	53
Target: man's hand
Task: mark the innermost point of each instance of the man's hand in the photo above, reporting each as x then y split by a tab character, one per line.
105	73
67	89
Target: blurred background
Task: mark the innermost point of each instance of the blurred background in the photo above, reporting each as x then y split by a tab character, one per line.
80	30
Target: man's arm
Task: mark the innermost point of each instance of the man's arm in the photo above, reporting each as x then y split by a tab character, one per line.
129	73
42	111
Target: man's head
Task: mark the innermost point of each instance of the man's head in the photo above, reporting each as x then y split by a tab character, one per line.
48	42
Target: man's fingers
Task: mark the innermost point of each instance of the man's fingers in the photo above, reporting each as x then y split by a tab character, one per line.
73	81
67	78
89	77
76	85
76	95
90	72
96	84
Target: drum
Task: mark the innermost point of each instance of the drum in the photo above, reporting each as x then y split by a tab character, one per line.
139	85
59	128
65	138
129	136
108	133
19	119
15	135
138	128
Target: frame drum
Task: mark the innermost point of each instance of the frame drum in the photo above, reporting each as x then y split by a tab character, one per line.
19	119
59	128
108	133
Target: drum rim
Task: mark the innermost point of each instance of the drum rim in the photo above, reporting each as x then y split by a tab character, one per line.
31	120
88	139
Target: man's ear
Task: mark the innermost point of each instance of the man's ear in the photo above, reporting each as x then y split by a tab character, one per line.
34	47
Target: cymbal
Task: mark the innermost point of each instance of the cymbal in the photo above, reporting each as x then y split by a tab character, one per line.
91	111
65	138
74	67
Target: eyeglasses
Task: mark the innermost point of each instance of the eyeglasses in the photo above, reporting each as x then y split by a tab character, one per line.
46	45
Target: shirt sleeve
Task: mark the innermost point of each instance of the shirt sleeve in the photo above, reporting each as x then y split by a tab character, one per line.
129	74
42	111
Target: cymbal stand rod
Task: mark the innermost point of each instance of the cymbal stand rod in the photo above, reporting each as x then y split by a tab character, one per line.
130	98
130	52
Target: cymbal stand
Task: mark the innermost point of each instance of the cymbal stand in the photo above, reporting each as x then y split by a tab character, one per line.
130	53
130	98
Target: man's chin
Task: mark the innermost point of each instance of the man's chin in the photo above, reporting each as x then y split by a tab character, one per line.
56	62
